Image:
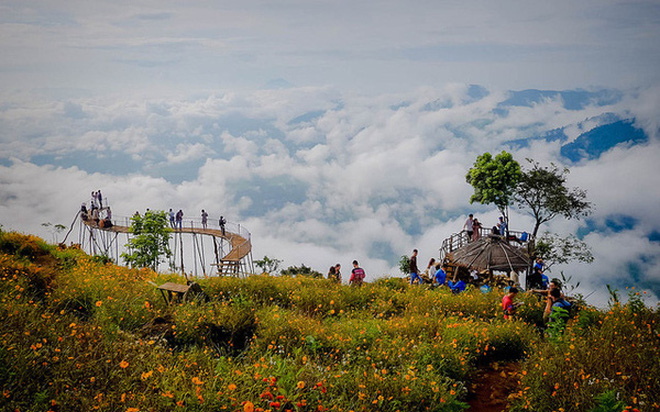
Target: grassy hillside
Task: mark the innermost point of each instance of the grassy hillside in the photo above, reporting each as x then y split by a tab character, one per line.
79	335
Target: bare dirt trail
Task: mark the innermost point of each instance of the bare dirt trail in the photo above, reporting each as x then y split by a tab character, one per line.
492	386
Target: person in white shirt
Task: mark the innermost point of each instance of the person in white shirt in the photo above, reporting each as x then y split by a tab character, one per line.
469	226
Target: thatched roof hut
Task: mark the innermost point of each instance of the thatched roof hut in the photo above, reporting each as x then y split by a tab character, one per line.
491	253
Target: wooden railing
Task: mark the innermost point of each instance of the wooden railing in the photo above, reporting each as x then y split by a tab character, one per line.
461	239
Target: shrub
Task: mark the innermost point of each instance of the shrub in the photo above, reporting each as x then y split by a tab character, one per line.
23	246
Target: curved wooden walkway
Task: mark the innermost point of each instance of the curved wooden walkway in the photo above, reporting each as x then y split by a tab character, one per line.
240	246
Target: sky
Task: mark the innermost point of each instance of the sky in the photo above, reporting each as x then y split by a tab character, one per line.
335	130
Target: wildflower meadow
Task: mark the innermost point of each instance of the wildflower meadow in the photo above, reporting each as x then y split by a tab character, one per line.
78	333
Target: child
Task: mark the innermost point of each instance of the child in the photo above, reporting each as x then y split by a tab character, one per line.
508	305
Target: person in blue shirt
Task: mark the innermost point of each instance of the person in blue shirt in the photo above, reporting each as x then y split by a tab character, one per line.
545	281
457	287
502	227
441	275
538	264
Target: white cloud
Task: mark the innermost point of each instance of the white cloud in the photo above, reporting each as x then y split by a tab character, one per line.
368	178
187	152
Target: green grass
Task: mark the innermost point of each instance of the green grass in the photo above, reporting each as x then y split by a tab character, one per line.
77	334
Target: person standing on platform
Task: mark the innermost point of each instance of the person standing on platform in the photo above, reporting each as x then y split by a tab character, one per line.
93	202
476	226
502	226
469	227
205	219
222	223
179	219
172	225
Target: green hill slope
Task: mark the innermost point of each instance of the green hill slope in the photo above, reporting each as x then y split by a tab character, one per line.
77	334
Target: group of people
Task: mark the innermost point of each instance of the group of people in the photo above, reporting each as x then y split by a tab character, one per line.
553	295
176	220
473	227
357	274
436	271
537	279
96	200
102	216
539	284
549	289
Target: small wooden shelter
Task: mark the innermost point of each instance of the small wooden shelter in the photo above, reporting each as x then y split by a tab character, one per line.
491	253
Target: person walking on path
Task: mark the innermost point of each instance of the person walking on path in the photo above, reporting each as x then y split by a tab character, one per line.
469	226
357	275
205	219
414	270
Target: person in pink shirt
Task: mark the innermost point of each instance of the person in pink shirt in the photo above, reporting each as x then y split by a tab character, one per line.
508	306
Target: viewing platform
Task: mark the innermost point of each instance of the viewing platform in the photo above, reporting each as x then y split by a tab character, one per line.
236	261
487	253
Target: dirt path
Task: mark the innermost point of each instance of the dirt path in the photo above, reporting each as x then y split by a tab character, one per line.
492	386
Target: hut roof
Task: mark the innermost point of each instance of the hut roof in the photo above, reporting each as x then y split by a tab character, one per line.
491	253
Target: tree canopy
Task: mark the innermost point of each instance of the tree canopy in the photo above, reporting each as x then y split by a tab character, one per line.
543	193
268	265
554	249
302	270
149	244
494	180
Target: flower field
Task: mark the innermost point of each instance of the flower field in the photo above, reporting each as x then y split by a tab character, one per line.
77	334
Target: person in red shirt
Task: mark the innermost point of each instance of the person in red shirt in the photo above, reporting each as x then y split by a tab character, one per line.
357	275
508	306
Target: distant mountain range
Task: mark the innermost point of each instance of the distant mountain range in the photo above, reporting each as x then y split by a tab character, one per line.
611	131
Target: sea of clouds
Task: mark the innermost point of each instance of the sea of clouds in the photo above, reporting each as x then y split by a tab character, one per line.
321	176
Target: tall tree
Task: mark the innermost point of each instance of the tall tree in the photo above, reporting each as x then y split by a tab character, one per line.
149	245
494	180
543	193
